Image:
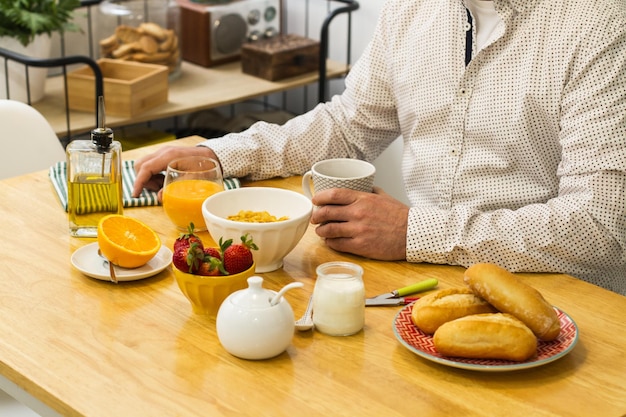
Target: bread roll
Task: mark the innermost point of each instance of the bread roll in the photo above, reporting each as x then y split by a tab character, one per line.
434	309
486	336
509	295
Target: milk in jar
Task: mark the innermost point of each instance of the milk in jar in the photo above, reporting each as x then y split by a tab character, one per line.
339	299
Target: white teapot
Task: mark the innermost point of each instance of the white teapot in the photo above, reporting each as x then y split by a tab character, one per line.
256	323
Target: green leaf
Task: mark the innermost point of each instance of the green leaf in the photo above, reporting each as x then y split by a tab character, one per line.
25	19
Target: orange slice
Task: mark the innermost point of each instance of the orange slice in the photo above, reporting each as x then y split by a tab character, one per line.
127	242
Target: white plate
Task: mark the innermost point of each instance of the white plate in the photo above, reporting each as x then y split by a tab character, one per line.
87	261
422	345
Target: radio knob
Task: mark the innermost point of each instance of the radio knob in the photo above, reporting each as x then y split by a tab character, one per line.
270	33
254	17
254	36
270	14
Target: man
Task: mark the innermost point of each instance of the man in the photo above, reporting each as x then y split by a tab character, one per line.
513	116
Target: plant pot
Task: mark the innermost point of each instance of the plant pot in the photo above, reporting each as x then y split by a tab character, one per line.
39	48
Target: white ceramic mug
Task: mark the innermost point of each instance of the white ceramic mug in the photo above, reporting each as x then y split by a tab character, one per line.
339	173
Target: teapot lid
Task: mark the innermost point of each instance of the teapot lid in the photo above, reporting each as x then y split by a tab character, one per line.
255	296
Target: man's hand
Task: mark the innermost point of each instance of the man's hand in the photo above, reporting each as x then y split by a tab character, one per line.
373	225
150	167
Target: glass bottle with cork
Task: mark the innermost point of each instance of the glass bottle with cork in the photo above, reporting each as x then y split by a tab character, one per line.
94	178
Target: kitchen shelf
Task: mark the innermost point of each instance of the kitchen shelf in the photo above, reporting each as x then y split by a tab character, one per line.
198	88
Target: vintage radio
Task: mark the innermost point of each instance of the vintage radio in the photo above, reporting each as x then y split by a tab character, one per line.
213	34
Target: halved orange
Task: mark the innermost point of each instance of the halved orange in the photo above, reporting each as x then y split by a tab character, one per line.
127	242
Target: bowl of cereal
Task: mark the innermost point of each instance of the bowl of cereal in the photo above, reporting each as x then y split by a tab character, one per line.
275	218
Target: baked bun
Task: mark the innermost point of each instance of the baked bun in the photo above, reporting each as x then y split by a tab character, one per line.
432	310
486	336
509	295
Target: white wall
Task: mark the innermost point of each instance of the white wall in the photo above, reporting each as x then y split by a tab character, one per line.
363	22
388	172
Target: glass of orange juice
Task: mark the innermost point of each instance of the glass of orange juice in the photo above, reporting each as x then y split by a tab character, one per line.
188	182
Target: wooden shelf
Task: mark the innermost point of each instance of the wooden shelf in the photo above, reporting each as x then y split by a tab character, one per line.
197	88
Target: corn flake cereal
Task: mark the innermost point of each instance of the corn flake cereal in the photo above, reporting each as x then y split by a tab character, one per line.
255	217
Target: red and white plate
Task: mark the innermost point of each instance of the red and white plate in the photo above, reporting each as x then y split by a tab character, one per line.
422	344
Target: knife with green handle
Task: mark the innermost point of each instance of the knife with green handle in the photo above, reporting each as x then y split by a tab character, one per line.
396	297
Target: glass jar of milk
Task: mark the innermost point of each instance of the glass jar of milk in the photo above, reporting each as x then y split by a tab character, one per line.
339	299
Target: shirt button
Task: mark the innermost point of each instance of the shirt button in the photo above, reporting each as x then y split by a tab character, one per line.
468	27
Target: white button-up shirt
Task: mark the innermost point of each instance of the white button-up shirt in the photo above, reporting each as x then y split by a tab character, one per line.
517	159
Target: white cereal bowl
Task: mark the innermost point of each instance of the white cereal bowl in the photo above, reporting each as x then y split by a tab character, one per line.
274	240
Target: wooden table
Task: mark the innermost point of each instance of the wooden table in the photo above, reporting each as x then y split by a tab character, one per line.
198	88
86	347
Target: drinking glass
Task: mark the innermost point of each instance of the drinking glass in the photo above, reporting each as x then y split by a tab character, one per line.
188	182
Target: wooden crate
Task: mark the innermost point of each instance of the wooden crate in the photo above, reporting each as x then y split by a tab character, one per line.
129	87
282	56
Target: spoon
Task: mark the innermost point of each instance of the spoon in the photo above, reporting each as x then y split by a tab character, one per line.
276	299
111	267
305	322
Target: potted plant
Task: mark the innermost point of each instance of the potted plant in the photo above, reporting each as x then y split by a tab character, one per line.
26	27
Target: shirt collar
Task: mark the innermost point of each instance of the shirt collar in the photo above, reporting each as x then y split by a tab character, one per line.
517	5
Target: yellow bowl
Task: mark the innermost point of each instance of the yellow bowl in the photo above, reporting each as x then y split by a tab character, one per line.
206	294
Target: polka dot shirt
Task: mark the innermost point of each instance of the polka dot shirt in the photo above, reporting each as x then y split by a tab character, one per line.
518	158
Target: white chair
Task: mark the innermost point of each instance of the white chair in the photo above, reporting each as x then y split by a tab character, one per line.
389	171
13	408
27	141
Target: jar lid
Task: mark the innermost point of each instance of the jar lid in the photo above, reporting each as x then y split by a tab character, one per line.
255	296
115	8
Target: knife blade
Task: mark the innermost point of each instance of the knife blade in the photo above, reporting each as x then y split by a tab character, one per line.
400	301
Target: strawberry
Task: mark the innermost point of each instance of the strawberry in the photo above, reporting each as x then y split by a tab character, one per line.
214	252
211	266
188	259
186	239
238	257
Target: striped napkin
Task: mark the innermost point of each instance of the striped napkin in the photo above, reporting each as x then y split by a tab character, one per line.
58	176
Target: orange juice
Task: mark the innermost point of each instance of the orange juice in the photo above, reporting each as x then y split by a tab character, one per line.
182	201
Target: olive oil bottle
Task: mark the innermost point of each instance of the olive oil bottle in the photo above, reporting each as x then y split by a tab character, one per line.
94	178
